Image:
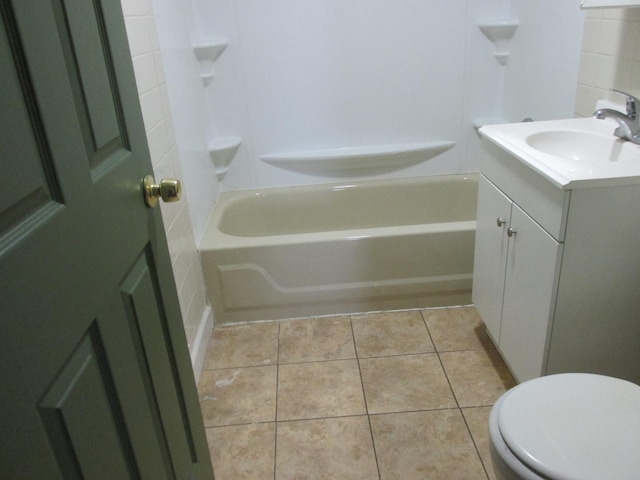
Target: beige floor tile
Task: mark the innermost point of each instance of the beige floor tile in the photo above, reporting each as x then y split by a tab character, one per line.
478	423
405	383
316	339
248	345
243	452
320	389
240	395
394	333
478	377
430	445
331	448
456	329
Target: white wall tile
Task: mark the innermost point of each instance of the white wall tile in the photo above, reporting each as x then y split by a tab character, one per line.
152	110
159	144
171	211
152	31
590	40
164	101
157	56
610	58
620	13
618	38
606	71
586	98
144	67
194	314
595	13
139	36
131	8
158	119
587	68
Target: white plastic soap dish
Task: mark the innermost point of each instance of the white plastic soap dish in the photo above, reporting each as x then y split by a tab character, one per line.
499	31
222	151
210	50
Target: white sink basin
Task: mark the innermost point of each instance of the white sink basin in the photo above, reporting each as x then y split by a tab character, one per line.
584	146
572	153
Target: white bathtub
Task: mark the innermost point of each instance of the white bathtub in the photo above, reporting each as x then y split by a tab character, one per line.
341	248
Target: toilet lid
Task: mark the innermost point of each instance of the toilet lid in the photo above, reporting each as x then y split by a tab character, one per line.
574	426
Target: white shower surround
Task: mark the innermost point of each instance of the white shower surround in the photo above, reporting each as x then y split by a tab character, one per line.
327	74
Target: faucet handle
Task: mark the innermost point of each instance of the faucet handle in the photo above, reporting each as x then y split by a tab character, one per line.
632	103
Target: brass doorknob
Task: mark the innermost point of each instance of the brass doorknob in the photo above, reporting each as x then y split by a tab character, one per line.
168	190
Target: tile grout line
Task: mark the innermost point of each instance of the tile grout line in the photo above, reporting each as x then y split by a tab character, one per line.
444	370
353	415
473	440
364	396
275	428
409	354
459	408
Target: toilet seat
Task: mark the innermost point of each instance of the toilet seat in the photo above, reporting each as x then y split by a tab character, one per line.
574	426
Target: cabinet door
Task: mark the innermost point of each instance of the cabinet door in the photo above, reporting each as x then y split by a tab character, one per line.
529	296
490	255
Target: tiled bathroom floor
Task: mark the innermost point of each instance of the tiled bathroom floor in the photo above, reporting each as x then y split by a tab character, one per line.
402	395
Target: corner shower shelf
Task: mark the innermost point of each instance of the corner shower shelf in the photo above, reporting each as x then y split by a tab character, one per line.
210	50
499	31
207	78
481	122
352	161
222	151
207	53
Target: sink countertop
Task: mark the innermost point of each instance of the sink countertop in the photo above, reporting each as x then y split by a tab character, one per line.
564	172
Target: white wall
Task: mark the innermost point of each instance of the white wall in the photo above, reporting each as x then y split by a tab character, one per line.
300	76
331	74
167	159
610	57
345	73
545	56
185	89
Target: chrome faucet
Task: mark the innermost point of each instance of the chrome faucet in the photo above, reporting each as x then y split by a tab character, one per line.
629	124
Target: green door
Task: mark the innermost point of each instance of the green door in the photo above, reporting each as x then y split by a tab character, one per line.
95	376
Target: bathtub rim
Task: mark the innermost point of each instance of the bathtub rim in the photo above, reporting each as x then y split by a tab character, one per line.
214	239
218	241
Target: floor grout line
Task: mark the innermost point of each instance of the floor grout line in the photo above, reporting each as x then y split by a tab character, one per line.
358	357
364	396
275	433
473	440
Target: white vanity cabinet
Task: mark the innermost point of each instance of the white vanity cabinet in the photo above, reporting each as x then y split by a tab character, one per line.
513	253
557	271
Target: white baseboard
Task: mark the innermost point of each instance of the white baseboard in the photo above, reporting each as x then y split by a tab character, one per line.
201	341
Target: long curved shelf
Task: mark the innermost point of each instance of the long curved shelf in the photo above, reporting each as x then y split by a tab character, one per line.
353	160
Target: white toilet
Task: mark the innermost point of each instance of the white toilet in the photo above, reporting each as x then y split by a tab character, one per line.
572	426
